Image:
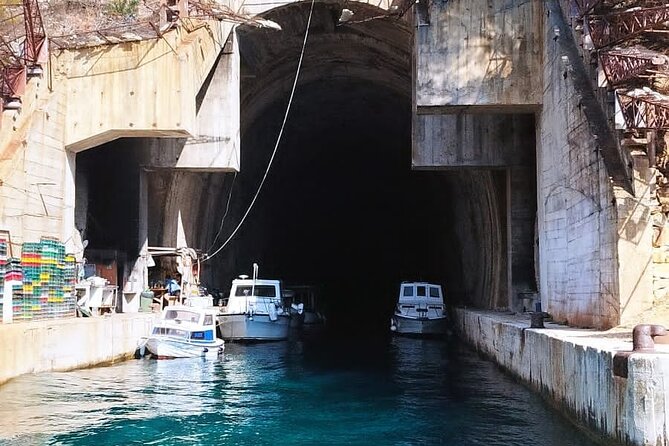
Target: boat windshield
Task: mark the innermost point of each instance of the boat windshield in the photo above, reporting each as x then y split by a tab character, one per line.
170	332
182	315
259	290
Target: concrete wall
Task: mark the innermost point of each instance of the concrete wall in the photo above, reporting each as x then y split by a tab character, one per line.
37	183
574	368
67	344
479	53
144	88
594	236
152	88
577	215
260	7
480	230
470	140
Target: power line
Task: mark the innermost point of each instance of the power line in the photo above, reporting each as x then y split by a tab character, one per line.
227	208
278	139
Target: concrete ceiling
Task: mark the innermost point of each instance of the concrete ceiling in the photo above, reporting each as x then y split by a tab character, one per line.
377	51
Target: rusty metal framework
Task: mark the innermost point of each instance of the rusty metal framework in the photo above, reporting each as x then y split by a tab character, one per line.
23	49
585	6
611	22
644	109
12	72
36	45
624	64
606	30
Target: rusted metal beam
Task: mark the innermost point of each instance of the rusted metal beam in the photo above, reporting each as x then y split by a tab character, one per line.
12	81
36	44
644	109
585	6
624	64
607	30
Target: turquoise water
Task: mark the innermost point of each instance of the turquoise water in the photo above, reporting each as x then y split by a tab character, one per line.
329	392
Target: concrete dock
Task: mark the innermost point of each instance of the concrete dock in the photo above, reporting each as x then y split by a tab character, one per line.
574	368
66	344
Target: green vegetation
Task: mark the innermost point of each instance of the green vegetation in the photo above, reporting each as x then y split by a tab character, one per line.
123	8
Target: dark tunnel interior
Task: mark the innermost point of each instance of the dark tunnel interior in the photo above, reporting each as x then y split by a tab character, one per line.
341	208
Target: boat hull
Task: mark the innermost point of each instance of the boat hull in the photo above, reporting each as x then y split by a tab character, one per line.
241	327
165	347
415	326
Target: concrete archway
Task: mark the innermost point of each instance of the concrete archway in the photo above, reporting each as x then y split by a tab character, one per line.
341	207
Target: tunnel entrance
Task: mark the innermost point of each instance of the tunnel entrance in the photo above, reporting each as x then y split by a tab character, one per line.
107	207
342	208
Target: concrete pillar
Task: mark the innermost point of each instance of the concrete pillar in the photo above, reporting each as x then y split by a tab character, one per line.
69	233
216	145
138	279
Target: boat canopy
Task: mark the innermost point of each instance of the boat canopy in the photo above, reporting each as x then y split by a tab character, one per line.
421	291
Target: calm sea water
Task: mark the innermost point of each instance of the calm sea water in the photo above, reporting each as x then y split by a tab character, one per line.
328	392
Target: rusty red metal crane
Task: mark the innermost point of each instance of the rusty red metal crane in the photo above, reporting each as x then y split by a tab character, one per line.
23	49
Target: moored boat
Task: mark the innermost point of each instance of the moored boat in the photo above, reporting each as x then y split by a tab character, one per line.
184	332
420	310
254	311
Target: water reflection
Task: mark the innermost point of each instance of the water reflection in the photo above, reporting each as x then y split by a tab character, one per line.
399	391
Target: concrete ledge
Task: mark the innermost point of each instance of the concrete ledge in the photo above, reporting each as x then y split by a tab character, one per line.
59	345
574	368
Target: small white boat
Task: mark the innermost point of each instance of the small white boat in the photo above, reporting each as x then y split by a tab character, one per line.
420	310
184	332
254	311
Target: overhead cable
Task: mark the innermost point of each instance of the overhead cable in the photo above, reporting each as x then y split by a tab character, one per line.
278	139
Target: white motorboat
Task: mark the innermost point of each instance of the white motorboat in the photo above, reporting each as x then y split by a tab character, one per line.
420	310
254	311
184	332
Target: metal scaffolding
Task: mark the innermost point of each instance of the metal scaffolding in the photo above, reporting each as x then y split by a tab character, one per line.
629	65
23	49
621	65
609	29
644	109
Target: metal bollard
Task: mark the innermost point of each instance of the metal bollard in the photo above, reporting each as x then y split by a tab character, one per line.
642	337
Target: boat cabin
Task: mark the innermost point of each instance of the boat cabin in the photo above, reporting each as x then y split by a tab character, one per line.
421	299
254	296
187	323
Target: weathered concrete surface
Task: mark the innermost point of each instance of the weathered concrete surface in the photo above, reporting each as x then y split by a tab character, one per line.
470	140
482	240
574	368
59	345
594	243
144	89
260	7
479	53
36	174
88	96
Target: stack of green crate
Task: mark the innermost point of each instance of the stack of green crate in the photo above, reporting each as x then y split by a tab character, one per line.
14	273
48	283
31	260
70	277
